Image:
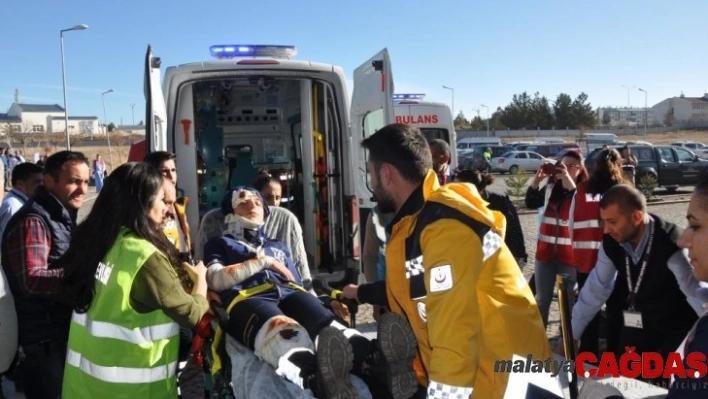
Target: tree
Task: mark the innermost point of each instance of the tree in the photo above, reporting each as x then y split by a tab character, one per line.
478	124
563	111
460	121
583	113
606	119
111	127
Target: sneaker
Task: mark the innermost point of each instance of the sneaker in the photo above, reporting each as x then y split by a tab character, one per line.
334	363
395	349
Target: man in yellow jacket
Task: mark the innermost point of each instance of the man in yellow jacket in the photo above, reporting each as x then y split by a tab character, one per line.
449	273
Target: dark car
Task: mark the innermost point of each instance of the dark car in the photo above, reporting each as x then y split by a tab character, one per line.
671	166
552	150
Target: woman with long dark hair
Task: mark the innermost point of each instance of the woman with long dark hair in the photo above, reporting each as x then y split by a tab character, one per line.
127	299
554	251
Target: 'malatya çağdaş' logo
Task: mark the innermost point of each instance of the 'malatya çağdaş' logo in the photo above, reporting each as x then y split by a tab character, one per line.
648	365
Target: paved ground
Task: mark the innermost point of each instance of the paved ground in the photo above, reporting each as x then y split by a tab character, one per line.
672	208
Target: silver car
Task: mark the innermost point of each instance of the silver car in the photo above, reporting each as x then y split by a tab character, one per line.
513	161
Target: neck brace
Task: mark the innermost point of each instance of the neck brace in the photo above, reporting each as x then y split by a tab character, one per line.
242	228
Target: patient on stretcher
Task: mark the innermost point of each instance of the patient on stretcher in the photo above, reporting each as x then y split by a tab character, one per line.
272	314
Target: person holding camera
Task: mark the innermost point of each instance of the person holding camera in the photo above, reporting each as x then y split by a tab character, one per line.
554	250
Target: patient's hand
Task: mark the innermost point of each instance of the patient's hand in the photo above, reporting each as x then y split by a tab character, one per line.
339	309
280	268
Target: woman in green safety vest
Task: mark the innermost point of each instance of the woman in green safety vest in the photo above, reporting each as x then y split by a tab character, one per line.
128	301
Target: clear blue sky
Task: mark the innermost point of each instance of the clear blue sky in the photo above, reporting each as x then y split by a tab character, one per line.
486	50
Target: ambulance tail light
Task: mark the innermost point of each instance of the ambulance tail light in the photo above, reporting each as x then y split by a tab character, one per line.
223	51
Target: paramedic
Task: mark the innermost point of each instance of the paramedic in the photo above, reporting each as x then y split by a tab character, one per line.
469	305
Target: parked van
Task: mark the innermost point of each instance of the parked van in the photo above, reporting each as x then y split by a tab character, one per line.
255	108
548	140
597	140
433	119
467	143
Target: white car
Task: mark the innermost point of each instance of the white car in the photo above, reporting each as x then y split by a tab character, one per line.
698	148
513	161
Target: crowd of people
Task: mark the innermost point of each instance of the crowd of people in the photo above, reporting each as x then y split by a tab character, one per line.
106	307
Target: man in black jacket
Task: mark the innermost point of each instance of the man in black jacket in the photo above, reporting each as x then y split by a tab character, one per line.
643	276
35	237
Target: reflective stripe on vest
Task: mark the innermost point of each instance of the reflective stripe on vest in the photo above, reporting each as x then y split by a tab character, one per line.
554	241
112	347
587	232
125	375
137	336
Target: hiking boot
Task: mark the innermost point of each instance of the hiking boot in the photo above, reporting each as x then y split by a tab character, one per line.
395	349
334	364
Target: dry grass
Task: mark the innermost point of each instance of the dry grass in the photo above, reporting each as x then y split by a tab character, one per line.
654	138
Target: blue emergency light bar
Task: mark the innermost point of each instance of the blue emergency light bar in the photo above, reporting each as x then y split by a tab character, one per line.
222	51
398	97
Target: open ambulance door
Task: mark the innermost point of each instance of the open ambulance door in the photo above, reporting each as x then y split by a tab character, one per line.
372	109
156	112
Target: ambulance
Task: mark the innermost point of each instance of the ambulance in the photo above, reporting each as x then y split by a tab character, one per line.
254	109
433	119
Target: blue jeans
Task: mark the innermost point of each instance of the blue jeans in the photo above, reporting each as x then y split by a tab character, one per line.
545	274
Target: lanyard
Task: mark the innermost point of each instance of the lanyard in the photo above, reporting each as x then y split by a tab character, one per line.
645	260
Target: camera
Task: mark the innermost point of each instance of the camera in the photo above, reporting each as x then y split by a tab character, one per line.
548	168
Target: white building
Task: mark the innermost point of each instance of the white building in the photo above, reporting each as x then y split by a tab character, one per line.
44	118
625	117
77	124
683	111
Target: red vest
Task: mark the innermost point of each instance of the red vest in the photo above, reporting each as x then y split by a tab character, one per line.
587	232
554	234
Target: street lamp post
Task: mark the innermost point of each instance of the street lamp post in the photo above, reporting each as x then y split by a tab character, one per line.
63	79
105	124
453	102
646	114
132	110
628	89
487	118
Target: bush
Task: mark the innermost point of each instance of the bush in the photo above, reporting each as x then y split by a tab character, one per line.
516	185
647	184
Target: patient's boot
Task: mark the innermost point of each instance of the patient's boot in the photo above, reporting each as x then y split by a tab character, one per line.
334	364
393	357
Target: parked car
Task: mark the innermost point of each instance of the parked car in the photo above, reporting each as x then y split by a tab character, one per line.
671	166
698	148
513	161
475	157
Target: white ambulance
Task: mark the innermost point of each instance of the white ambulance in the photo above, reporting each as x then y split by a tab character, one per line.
255	108
433	119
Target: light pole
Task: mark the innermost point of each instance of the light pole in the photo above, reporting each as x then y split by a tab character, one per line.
105	125
487	118
646	115
472	118
453	102
132	110
628	89
63	79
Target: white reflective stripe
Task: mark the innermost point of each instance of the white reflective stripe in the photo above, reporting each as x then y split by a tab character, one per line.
128	375
585	224
136	336
490	244
438	390
586	244
554	221
554	240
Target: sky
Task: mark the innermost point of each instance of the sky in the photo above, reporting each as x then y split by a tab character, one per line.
486	50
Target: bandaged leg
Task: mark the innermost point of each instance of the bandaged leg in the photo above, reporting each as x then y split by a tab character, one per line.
279	336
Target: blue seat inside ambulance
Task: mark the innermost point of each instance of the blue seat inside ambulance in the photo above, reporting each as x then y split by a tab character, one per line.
242	171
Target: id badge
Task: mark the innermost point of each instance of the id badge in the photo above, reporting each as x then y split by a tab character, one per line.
633	319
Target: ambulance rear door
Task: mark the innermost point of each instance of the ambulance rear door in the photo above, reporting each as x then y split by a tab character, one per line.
372	109
156	112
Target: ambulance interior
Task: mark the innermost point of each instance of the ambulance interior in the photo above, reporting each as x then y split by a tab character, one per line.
254	124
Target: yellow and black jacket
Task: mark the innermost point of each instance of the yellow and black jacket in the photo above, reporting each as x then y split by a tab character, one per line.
450	274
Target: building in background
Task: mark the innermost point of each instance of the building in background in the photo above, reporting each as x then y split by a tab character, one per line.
44	118
682	111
